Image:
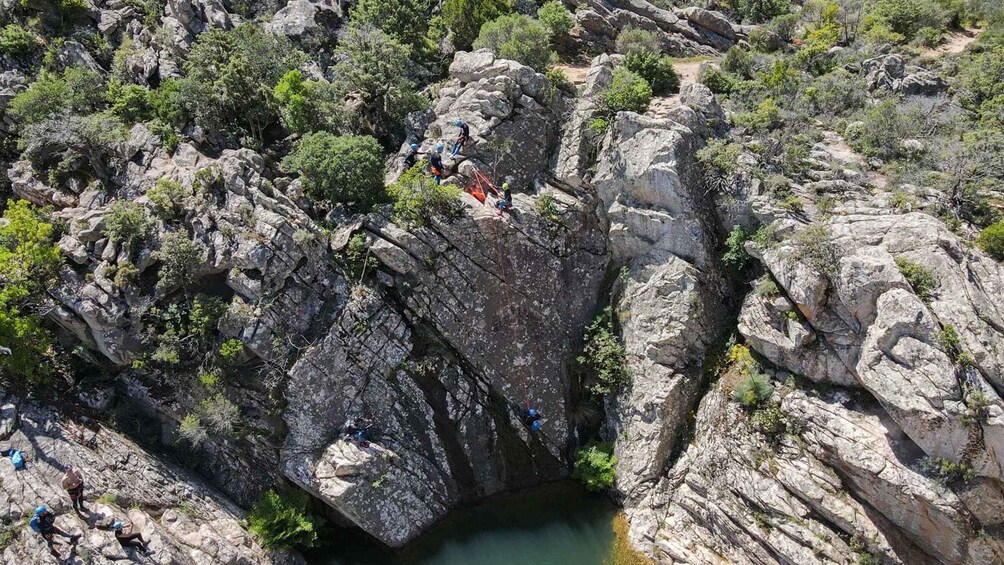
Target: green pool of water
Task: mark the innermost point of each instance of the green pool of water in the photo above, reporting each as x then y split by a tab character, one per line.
555	525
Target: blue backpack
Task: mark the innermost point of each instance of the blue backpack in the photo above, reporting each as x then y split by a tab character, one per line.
34	524
17	458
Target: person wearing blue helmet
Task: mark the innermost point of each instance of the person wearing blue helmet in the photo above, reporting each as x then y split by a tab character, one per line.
126	538
412	157
43	522
533	419
463	138
436	163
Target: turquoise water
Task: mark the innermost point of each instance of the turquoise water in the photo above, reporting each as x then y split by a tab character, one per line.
554	525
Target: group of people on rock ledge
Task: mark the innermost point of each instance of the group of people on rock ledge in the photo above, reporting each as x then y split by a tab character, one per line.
43	519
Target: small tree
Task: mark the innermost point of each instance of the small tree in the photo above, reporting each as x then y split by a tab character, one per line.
556	18
991	240
180	258
417	197
759	11
282	521
77	90
519	38
921	280
347	169
594	466
219	415
167	198
127	222
465	18
18	41
752	390
603	356
656	69
627	92
735	257
304	105
405	20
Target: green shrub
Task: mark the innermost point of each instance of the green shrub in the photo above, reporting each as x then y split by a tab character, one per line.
636	40
738	61
948	472
230	77
813	245
167	197
126	274
949	340
603	358
373	69
18	41
716	80
767	287
555	18
753	390
417	198
166	103
231	350
627	92
357	259
759	11
283	522
128	223
465	18
907	17
929	37
991	240
594	466
547	207
519	38
884	127
559	79
77	90
130	102
766	117
921	280
405	20
656	69
346	169
204	314
978	405
765	40
180	258
304	105
191	430
770	420
735	257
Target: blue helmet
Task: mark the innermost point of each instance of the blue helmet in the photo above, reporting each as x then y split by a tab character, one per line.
414	146
535	426
40	510
533	412
458	123
439	147
118	525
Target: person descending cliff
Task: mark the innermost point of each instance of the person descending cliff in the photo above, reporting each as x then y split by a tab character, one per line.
359	432
532	419
504	204
463	138
73	483
436	164
412	157
43	522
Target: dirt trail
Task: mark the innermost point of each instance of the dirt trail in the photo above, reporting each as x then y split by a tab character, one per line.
576	73
687	70
843	153
955	42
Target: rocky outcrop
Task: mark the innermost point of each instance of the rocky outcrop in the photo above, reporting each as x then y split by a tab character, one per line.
661	231
473	321
184	520
890	72
307	20
579	142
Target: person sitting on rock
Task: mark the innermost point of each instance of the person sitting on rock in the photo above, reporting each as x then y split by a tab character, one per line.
504	204
463	138
73	483
533	419
44	523
126	538
436	164
412	157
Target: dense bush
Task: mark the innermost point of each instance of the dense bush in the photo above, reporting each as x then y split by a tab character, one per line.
907	17
815	246
230	77
556	18
759	11
372	69
347	169
282	521
304	105
603	358
738	61
167	197
716	80
77	90
127	223
465	18
417	198
405	20
85	147
594	466
735	257
519	38
980	83
29	260
180	258
883	128
219	415
991	240
627	92
656	69
130	102
637	40
921	280
18	41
